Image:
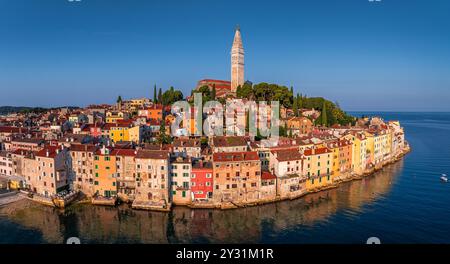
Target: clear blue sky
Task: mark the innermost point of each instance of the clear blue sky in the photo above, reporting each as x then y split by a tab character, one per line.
390	55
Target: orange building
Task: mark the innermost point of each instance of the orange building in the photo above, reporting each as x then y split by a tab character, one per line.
237	176
105	181
154	112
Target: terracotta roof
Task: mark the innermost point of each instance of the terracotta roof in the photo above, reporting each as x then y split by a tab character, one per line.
191	142
123	152
236	156
287	155
152	154
215	81
229	141
51	150
267	176
202	165
309	152
83	147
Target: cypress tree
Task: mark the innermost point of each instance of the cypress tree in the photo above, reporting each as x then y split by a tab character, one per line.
213	92
300	101
295	106
324	120
160	96
292	95
155	99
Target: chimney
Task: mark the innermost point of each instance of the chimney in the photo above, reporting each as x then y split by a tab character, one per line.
47	153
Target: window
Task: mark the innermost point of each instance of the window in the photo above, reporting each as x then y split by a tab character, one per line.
96	183
114	183
193	175
185	174
183	193
208	175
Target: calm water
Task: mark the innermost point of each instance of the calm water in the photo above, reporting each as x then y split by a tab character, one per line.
404	203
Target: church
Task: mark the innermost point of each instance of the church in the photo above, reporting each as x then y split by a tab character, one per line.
228	88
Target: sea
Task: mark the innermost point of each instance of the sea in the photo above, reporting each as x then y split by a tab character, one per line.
406	202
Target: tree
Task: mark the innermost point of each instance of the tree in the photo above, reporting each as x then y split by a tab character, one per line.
163	137
299	102
119	99
292	95
246	91
324	119
171	96
160	96
206	93
213	92
155	99
295	106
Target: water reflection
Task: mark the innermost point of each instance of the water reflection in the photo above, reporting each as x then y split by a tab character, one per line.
183	225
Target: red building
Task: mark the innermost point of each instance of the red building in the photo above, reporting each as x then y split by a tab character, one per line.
202	180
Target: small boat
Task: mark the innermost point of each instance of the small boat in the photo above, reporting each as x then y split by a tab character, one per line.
444	178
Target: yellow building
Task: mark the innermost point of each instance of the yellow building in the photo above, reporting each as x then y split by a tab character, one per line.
114	116
388	148
370	148
382	145
319	166
359	151
124	132
334	147
105	181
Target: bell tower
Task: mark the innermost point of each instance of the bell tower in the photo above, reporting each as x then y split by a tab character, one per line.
237	61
